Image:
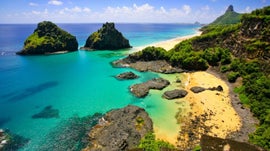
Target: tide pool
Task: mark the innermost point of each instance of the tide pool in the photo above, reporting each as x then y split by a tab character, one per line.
76	84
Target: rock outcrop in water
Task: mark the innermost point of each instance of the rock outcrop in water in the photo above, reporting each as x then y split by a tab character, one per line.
141	90
127	76
120	129
49	38
106	38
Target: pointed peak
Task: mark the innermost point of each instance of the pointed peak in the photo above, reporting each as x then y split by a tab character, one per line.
230	9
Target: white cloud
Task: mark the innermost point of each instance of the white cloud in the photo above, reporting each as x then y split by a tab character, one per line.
187	9
248	9
33	4
144	13
55	2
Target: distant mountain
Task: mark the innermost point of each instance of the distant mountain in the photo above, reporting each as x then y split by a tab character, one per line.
230	17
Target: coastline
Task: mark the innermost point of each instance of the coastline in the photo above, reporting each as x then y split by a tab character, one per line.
168	44
220	114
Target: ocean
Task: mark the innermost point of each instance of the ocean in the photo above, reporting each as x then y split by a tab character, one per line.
75	84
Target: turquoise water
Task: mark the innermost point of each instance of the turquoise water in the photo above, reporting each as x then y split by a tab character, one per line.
79	83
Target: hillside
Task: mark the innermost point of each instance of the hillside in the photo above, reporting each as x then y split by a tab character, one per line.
230	17
241	52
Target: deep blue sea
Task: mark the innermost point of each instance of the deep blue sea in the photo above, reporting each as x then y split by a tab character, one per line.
76	84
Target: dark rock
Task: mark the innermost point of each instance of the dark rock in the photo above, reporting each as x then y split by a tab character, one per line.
197	89
218	88
209	143
47	112
124	129
142	89
127	75
10	141
160	66
173	94
230	9
106	38
49	38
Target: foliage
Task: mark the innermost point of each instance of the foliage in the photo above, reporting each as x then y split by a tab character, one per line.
149	143
47	37
232	76
230	17
197	148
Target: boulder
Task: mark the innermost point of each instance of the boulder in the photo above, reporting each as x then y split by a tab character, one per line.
142	89
197	89
218	88
120	129
48	38
174	94
106	38
127	75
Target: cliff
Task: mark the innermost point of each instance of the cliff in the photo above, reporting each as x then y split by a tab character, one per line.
48	38
248	39
107	38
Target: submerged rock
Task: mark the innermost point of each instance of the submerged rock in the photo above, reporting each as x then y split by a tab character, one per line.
10	141
127	75
106	38
121	129
70	134
174	94
142	89
49	38
47	112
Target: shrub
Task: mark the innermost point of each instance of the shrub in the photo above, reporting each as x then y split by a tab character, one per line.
232	76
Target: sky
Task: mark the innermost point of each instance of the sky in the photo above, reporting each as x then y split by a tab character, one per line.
121	11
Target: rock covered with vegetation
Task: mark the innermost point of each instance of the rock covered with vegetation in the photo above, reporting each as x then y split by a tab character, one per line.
230	17
107	38
48	38
120	129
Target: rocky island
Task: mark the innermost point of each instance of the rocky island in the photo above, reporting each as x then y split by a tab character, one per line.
106	38
48	38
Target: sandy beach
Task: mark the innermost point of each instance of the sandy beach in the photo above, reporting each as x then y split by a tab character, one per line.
211	112
169	44
213	109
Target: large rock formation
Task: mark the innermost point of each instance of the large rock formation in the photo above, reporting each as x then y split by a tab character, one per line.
48	38
107	38
120	129
230	17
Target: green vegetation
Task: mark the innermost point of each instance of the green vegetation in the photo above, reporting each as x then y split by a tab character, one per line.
197	148
107	38
149	143
229	47
230	17
48	38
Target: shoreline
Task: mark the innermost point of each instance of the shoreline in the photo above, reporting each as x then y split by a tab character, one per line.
168	44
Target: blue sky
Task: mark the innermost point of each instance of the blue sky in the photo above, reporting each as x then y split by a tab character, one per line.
126	11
